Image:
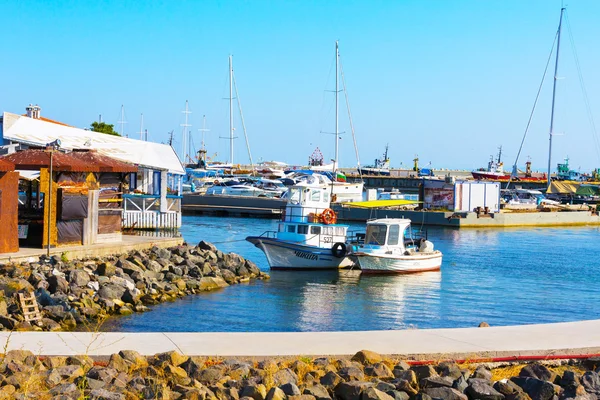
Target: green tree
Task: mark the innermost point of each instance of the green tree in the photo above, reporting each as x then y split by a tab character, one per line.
103	127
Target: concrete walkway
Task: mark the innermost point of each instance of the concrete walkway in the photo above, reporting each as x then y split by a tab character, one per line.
546	339
128	243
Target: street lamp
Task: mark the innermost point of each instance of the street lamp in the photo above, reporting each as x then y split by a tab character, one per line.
51	147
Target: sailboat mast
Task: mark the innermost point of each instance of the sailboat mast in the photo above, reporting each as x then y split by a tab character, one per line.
231	109
554	97
337	58
185	133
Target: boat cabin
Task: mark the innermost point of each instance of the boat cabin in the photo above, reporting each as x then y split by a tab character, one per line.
308	218
387	232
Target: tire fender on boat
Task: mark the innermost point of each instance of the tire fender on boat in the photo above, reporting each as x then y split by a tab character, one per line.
339	250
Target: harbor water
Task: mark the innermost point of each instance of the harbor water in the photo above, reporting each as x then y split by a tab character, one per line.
501	276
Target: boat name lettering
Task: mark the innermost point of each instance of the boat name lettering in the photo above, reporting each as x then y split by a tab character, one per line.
308	256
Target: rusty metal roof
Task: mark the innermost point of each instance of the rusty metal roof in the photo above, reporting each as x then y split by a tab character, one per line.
102	162
6	166
36	159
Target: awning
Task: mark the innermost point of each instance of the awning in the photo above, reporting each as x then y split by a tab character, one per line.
28	175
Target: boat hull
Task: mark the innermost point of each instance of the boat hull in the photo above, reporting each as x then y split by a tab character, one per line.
374	171
287	255
480	175
390	264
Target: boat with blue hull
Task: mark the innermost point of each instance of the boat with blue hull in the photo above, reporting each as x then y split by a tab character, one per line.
308	236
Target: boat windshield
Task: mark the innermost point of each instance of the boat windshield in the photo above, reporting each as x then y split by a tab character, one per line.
376	234
294	196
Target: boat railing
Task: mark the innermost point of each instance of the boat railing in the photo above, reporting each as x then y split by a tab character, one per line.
269	234
301	214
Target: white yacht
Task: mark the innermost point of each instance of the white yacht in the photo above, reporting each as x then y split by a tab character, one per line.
308	236
389	248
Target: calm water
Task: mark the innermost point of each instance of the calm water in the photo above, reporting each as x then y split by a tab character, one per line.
501	276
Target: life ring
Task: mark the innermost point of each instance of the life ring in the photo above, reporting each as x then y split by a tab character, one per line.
328	216
339	250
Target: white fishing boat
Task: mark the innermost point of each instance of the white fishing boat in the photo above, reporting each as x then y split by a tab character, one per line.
308	236
388	248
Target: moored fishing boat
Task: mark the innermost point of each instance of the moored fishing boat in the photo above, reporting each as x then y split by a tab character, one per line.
380	167
308	236
388	249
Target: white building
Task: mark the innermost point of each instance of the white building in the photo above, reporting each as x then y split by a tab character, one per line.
151	204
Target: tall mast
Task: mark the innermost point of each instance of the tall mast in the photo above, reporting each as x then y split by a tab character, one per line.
337	58
231	109
184	133
554	97
142	126
121	120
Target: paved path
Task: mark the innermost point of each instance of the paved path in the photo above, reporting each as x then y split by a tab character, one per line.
128	243
561	338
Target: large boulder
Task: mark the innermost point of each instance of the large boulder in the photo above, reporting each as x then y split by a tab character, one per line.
482	391
318	391
106	269
111	291
537	371
375	394
79	277
537	389
351	374
367	357
445	393
284	376
423	371
210	283
351	390
379	370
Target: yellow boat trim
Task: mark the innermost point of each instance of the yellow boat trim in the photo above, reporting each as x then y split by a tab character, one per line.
381	203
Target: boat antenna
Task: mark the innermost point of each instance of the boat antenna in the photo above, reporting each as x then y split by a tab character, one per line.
237	96
537	97
351	123
562	10
185	133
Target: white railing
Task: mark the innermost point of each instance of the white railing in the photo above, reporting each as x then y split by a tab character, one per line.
143	212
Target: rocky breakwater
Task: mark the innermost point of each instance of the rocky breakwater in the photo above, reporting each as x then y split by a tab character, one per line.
76	292
367	376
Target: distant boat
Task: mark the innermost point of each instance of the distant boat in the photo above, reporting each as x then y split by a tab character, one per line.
495	172
380	167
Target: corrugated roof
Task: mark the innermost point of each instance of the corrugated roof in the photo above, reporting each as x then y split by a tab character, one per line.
36	159
48	120
35	132
6	166
104	163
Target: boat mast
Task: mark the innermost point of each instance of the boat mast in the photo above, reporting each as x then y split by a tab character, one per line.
231	109
185	133
337	58
554	98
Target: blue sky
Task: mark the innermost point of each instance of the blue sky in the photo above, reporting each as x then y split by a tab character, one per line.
449	81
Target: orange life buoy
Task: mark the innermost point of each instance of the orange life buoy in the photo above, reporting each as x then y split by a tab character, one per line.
328	216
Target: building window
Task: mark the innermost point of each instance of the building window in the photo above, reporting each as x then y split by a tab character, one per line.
315	230
303	229
291	228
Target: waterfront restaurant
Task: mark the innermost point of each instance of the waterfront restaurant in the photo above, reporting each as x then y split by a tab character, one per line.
65	202
153	196
9	200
